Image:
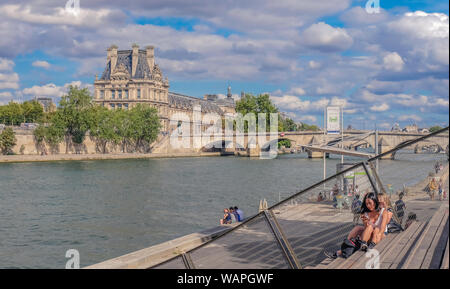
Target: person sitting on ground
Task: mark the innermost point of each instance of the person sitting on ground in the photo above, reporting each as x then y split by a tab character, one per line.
226	217
371	215
385	202
320	197
239	213
375	218
234	218
400	207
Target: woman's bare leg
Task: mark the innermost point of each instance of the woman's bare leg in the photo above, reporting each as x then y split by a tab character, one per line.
367	233
356	231
377	235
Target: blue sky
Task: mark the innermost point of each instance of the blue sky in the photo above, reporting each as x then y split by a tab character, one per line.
384	68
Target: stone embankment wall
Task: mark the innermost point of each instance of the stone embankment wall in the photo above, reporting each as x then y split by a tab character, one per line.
27	145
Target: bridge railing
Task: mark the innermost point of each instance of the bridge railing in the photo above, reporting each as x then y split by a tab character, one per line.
296	232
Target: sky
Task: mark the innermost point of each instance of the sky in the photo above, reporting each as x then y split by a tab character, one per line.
384	65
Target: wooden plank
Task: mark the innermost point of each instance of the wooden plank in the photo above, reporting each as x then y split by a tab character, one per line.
434	244
444	264
380	247
352	261
417	255
358	256
409	242
395	247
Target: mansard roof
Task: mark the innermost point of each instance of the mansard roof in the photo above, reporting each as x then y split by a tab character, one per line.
187	102
124	57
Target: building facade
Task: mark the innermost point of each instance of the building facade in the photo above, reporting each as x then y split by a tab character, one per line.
132	77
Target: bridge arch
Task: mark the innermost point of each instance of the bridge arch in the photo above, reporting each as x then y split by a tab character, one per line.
220	145
267	145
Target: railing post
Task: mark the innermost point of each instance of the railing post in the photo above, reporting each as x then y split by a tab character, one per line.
187	261
374	186
281	239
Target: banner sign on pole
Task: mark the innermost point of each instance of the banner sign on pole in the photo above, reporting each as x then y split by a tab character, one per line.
333	119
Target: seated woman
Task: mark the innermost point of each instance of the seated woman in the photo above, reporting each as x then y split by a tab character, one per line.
374	219
226	217
385	203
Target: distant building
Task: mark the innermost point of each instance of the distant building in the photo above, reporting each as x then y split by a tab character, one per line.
47	104
411	128
424	130
132	77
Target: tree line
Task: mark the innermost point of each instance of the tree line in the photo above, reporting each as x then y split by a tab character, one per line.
77	117
16	113
262	104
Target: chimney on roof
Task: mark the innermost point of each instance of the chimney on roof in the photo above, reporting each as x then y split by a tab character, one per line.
134	59
113	54
150	56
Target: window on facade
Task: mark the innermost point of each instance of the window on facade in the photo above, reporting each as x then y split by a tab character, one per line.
102	94
120	94
113	105
113	94
138	93
126	94
119	105
125	106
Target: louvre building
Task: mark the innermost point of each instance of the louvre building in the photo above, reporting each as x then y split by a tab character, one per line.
132	77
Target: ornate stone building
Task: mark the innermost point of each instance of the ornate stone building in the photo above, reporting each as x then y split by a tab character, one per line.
131	77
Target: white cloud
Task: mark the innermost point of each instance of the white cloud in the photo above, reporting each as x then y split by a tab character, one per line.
48	90
52	90
410	117
6	64
314	64
385	125
41	63
326	38
297	91
5	97
379	108
9	81
306	118
58	16
393	61
290	102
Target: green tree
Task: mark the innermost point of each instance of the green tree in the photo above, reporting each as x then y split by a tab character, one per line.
288	125
145	126
286	143
75	114
32	111
257	104
308	127
7	141
106	126
435	128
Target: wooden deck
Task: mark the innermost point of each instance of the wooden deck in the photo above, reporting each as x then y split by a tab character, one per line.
423	245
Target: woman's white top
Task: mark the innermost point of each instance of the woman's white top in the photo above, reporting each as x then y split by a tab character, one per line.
378	221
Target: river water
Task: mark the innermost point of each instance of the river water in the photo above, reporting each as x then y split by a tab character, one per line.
105	209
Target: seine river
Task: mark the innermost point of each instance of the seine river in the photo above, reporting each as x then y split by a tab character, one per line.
105	209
